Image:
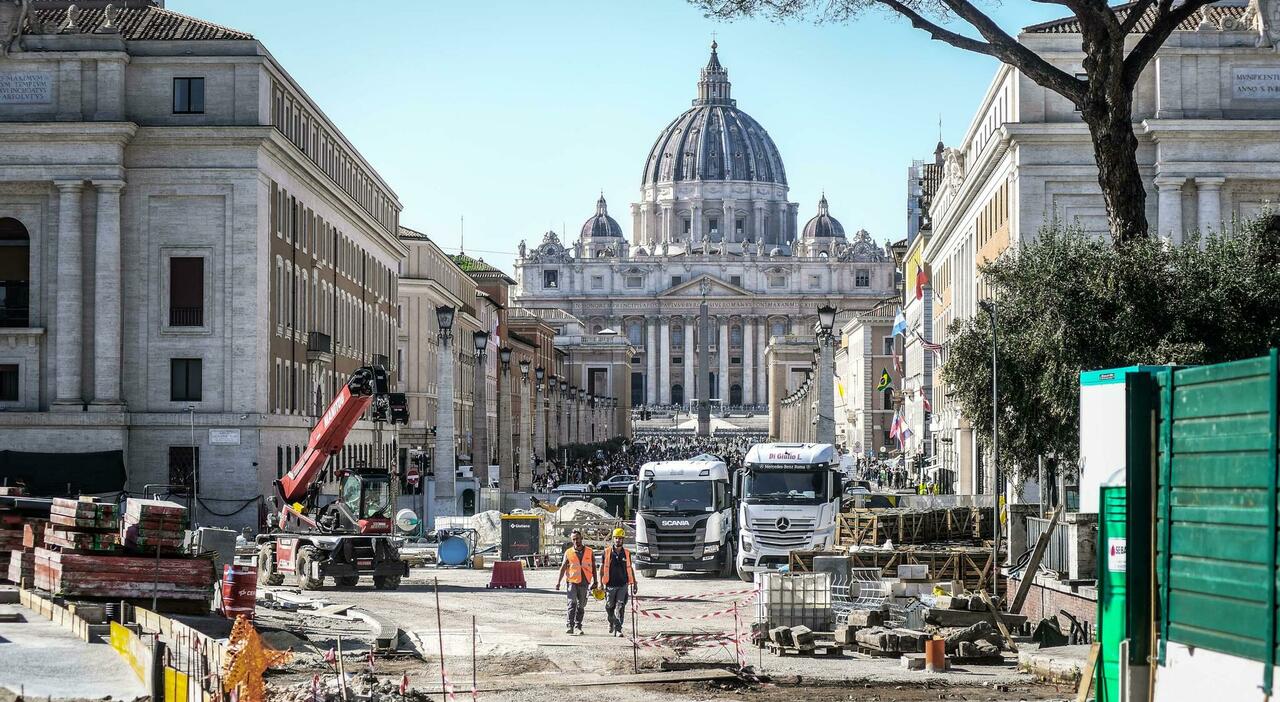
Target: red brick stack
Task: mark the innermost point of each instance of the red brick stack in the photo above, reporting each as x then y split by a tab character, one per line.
151	525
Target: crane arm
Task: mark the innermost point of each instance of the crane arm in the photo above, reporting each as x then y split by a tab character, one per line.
331	431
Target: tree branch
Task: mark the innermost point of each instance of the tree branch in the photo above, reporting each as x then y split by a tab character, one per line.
1167	20
944	35
1011	52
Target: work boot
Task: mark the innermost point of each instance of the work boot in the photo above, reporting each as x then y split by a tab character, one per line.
579	631
569	631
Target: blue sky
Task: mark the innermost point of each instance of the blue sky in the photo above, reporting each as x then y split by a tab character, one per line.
515	113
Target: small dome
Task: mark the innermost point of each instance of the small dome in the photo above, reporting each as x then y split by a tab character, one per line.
823	225
601	224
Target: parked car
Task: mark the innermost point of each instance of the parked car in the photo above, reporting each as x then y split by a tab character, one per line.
621	483
571	487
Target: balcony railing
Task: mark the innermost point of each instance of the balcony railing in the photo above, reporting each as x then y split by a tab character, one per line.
186	316
13	316
319	347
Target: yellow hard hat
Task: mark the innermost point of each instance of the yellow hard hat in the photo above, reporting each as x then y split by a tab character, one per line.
620	532
598	593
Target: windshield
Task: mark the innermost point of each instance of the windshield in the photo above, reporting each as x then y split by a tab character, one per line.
801	486
377	498
677	496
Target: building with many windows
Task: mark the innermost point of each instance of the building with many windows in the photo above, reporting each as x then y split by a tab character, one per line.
192	259
713	210
1206	111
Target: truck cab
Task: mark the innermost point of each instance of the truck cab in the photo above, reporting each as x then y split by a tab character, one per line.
684	517
789	495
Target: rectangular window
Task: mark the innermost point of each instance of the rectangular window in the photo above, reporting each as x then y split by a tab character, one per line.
188	96
862	278
597	282
186	291
676	280
888	346
736	280
777	281
815	282
9	382
713	225
184	379
184	461
687	226
739	226
677	360
634	282
735	360
551	279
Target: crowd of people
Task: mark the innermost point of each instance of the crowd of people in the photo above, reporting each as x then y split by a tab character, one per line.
634	453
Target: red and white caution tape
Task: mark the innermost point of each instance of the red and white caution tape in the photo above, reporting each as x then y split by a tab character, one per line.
709	615
699	596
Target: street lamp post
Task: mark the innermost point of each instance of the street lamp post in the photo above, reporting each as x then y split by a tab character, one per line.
480	411
539	418
562	431
989	306
525	479
825	428
506	478
445	460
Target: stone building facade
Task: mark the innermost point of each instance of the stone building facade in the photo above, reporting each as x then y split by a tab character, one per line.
864	413
713	207
194	257
1206	112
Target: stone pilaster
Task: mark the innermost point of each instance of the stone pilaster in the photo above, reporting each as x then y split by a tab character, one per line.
651	361
689	362
106	291
1209	204
664	361
723	353
748	361
1169	212
506	466
527	419
69	342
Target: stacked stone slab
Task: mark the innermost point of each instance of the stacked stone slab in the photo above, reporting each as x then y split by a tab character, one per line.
149	526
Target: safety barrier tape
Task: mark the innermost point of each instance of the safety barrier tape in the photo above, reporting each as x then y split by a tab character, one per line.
719	613
698	596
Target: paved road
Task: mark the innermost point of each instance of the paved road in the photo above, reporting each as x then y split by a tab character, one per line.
48	661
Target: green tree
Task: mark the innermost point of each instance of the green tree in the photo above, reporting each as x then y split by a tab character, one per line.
1117	42
1069	302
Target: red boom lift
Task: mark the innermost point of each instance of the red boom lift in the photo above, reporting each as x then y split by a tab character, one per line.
351	536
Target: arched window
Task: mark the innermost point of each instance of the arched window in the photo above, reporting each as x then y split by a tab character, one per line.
778	328
635	333
15	274
677	334
735	335
735	394
596	329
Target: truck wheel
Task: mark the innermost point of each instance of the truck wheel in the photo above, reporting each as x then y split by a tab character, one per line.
649	572
306	556
267	566
347	580
386	582
730	562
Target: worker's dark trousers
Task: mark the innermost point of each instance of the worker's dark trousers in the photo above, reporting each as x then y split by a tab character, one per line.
615	605
577	603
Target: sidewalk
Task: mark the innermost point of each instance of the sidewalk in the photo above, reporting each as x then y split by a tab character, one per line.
47	661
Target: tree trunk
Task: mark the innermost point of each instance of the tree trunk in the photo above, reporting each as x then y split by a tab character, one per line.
1108	112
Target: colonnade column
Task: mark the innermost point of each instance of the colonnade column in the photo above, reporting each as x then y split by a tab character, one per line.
665	234
782	223
727	223
748	362
1169	210
695	234
759	221
723	353
1209	204
664	360
688	361
106	292
68	344
651	361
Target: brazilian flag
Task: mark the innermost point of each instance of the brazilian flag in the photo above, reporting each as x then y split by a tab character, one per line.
885	380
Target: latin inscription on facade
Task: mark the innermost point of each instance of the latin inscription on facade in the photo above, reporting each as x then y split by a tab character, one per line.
27	88
1255	83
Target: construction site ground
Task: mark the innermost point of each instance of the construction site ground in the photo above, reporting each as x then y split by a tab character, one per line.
522	650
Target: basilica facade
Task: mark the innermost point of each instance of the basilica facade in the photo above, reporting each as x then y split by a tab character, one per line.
714	221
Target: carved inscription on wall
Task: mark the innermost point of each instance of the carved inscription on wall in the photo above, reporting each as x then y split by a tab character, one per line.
1255	83
26	88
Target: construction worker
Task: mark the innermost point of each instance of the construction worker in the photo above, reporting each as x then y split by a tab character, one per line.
618	579
579	569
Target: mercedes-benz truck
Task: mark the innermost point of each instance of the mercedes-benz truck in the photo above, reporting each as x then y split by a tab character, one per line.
788	499
685	517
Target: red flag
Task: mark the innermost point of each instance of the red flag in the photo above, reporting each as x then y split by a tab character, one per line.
922	279
924	400
404	684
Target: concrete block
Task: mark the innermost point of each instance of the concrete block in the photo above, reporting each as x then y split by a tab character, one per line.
910	640
780	635
846	635
865	618
802	637
967	649
912	661
913	571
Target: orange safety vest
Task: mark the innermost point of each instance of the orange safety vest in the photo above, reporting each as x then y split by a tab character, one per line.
626	556
578	568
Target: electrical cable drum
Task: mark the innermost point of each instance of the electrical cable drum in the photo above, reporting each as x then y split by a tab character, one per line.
454	551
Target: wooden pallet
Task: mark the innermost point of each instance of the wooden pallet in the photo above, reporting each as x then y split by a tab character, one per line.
873	527
820	648
970	565
875	652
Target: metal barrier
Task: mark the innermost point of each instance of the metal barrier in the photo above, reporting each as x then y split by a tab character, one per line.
1057	555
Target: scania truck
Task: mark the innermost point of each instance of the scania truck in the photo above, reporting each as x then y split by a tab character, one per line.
788	498
685	517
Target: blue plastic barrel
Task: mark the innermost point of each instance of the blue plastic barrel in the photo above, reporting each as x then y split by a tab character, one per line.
454	551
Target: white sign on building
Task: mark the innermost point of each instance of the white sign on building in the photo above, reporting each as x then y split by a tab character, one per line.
26	88
224	437
1255	83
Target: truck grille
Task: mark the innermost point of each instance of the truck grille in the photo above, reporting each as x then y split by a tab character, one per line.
766	533
676	542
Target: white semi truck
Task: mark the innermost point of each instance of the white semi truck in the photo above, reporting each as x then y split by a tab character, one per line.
788	498
685	517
